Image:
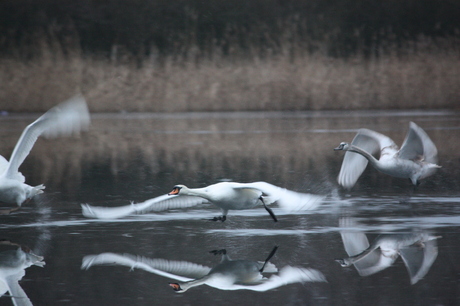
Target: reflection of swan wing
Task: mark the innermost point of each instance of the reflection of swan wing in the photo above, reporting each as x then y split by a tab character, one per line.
354	164
418	259
355	243
418	145
179	270
286	199
161	203
18	295
287	275
64	119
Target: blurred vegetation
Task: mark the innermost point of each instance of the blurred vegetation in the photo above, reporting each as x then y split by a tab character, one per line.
239	55
142	28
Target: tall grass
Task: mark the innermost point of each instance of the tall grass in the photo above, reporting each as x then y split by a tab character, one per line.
422	74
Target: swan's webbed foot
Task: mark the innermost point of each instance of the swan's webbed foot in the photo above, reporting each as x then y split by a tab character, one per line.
220	218
219	252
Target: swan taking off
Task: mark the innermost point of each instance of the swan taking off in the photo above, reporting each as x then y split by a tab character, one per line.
226	195
65	119
415	160
238	196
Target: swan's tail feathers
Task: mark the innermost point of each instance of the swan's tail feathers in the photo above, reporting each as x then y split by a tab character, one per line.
292	201
268	200
268	267
33	191
429	169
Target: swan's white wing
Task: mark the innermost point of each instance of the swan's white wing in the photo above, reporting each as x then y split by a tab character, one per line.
354	164
287	275
180	270
419	259
355	243
161	203
418	145
64	119
18	295
287	199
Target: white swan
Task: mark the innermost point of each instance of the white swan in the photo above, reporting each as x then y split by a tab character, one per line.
226	195
12	269
64	119
417	249
415	160
227	275
238	196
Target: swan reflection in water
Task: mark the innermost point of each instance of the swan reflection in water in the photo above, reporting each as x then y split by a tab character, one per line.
225	195
417	249
12	269
227	275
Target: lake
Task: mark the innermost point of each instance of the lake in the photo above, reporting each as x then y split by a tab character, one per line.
126	158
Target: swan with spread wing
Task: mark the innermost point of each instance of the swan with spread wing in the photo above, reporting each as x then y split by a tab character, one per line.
65	119
225	195
415	160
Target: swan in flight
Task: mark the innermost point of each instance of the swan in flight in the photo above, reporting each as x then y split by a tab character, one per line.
415	160
227	275
65	119
226	195
12	269
417	249
237	196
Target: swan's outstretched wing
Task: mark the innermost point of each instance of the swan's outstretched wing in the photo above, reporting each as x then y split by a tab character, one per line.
18	295
179	270
354	164
418	145
287	199
287	275
419	258
161	203
64	119
355	243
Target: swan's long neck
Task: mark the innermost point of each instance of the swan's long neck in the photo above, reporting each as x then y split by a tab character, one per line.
194	283
351	260
199	192
374	162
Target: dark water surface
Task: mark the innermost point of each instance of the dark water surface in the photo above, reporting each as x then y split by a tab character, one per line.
134	157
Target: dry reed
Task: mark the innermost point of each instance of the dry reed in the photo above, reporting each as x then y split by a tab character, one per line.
427	77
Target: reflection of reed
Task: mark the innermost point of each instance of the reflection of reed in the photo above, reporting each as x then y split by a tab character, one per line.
284	151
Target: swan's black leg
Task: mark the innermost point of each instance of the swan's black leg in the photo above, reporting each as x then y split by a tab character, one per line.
220	218
268	209
269	257
219	252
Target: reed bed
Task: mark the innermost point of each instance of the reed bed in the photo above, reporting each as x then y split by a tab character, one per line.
424	75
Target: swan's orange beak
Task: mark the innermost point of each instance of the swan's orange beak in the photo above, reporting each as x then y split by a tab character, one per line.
174	191
175	286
